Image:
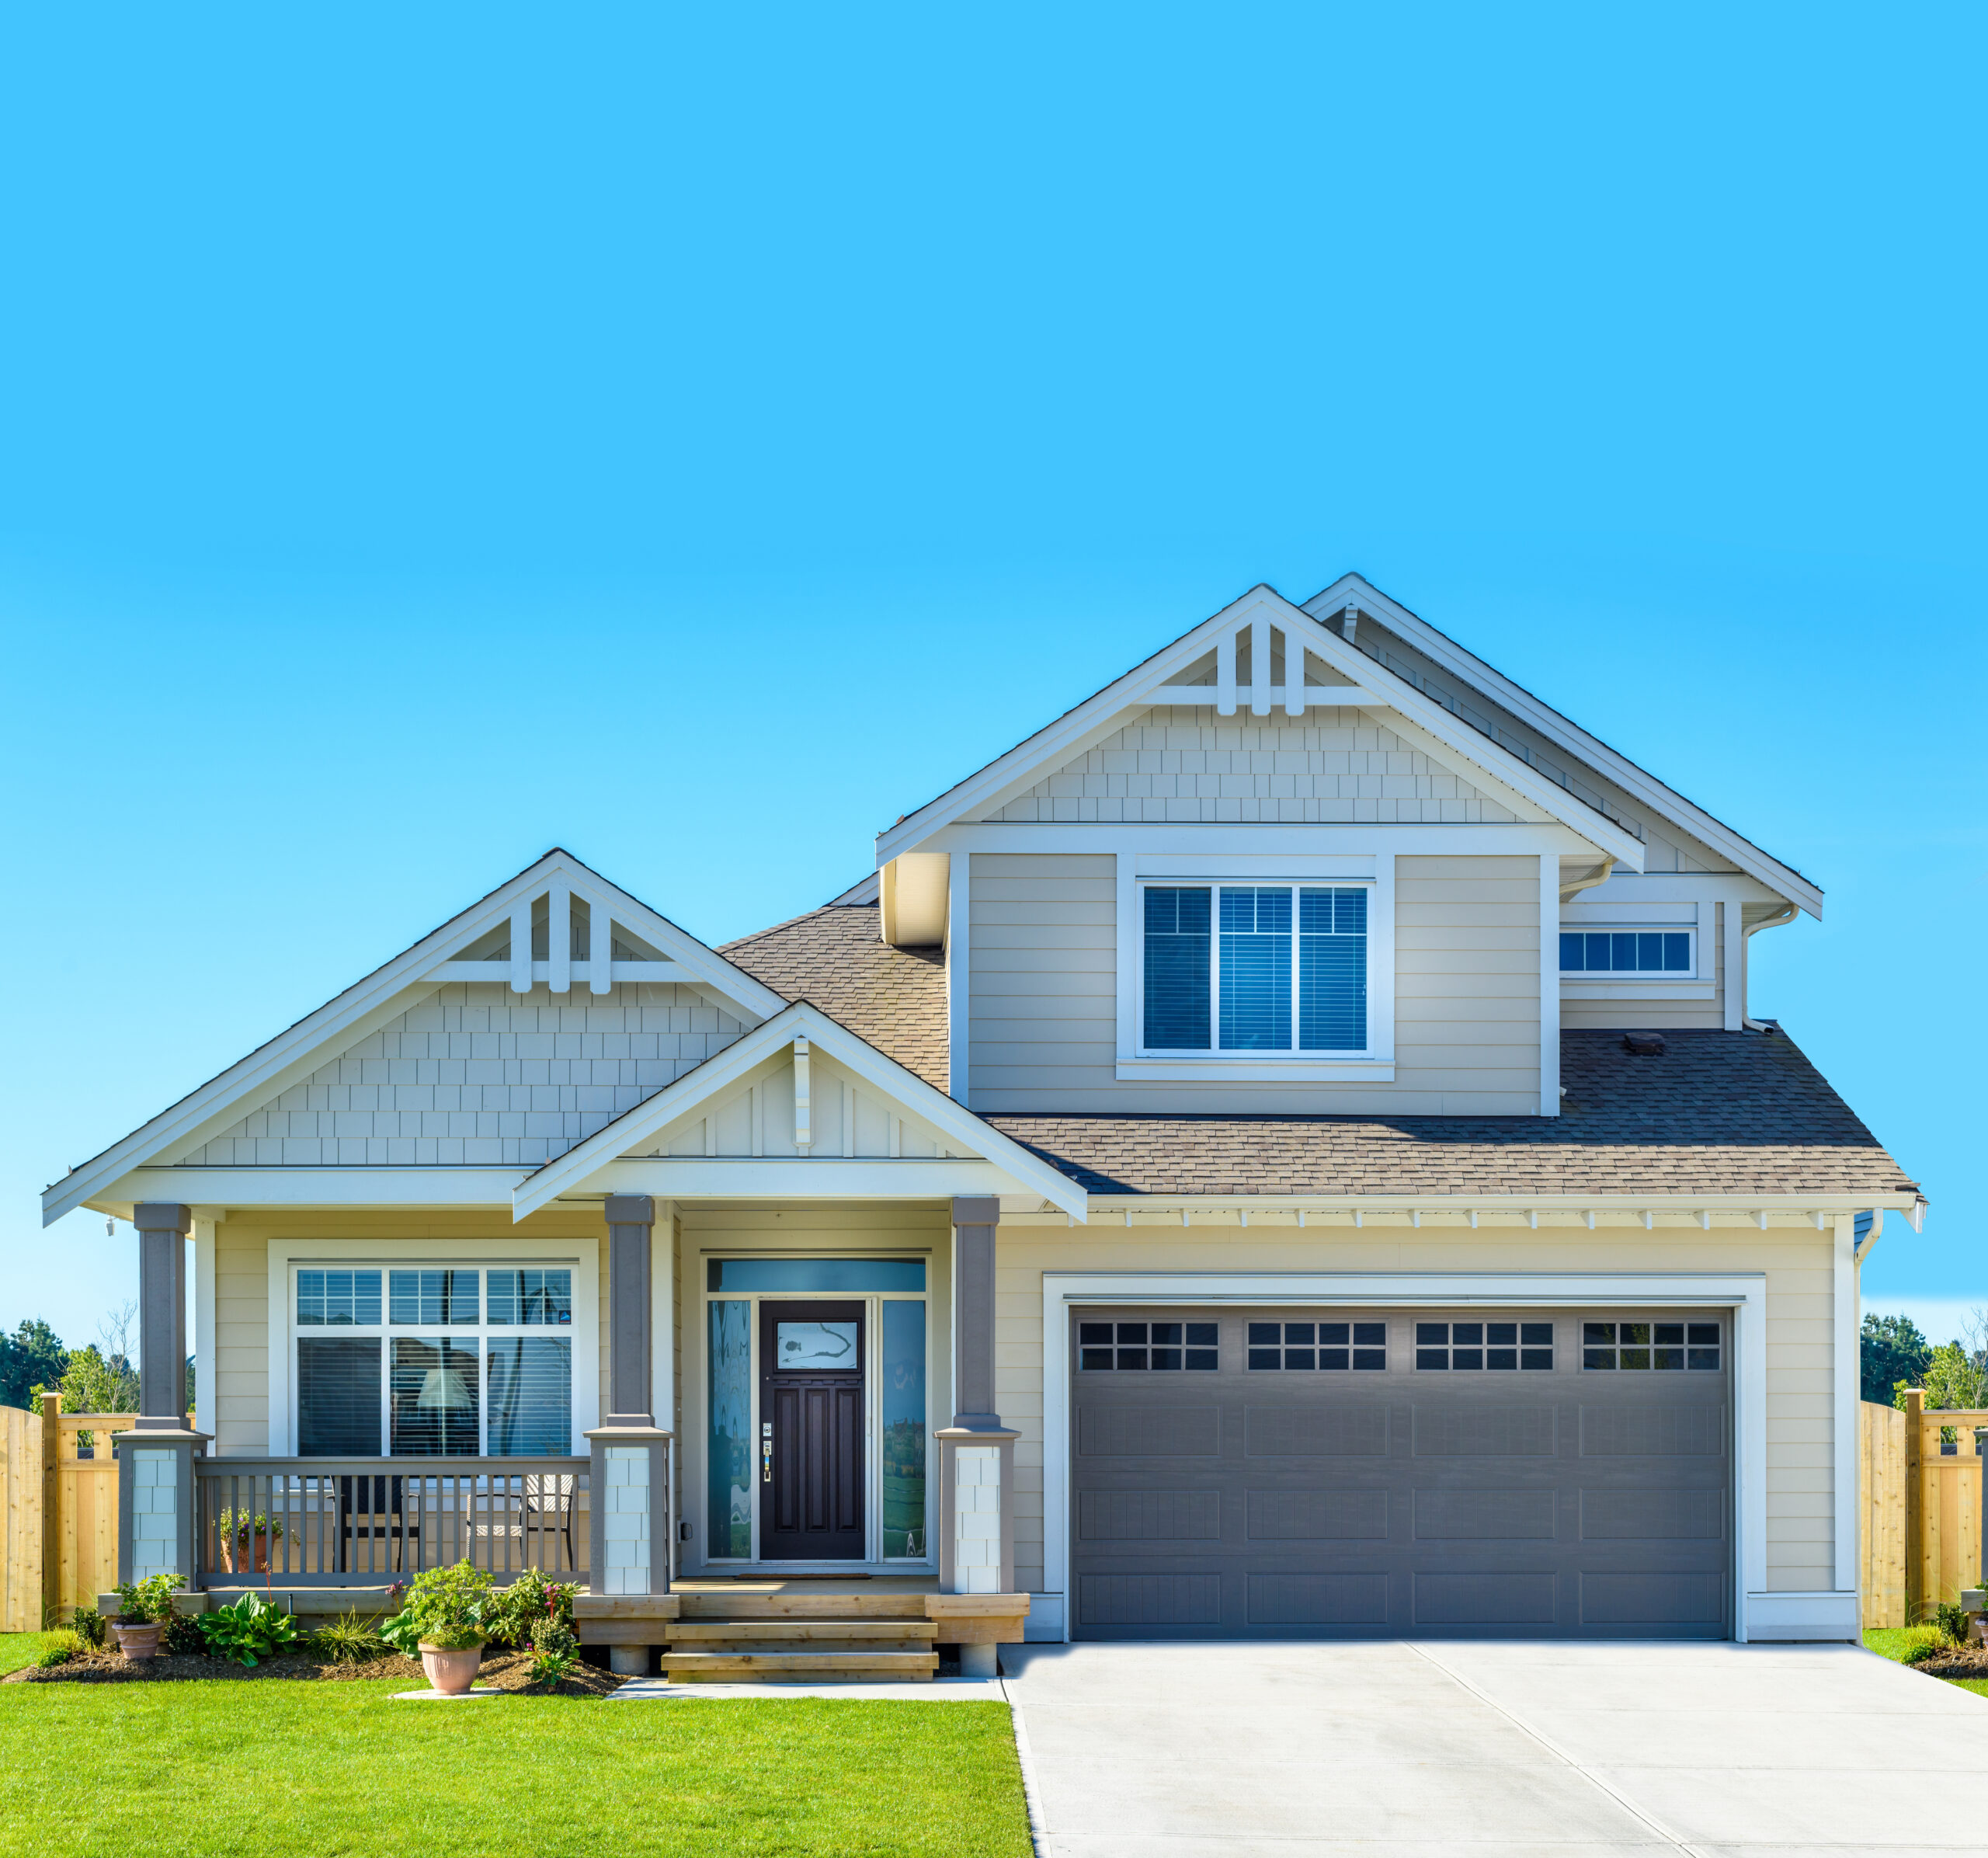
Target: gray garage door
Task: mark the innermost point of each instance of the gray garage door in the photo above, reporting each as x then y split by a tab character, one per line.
1319	1473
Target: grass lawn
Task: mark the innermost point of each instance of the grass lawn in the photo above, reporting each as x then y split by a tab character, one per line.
339	1768
19	1648
1890	1642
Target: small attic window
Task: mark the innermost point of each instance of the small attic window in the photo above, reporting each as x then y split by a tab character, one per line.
1628	951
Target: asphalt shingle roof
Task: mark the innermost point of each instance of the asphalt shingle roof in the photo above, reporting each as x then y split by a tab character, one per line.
1718	1113
1721	1113
836	958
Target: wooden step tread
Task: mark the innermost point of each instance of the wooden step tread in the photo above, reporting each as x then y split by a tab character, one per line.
800	1661
801	1606
688	1633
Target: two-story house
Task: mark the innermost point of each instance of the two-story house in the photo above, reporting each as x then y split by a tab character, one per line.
1283	1151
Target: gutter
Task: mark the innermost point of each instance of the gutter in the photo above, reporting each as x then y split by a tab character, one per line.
1747	934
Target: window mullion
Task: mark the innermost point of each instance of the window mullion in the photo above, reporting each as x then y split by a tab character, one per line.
1215	968
1297	1025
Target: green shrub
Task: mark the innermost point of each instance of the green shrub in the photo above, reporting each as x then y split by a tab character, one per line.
182	1637
348	1639
555	1650
1949	1619
61	1646
449	1607
1923	1642
146	1602
401	1633
249	1629
515	1612
88	1624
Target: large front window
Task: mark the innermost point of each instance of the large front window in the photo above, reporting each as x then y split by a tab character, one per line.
434	1362
1254	968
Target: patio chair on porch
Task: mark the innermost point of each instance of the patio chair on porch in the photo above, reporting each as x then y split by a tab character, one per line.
372	1509
547	1508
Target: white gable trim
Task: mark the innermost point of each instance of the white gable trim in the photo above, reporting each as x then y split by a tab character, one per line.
604	1154
1351	590
381	998
1370	685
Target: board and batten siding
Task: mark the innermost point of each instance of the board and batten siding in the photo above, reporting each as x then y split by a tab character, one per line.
1796	1262
475	1075
1043	993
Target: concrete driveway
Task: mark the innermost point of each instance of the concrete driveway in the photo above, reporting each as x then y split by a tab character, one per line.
1424	1750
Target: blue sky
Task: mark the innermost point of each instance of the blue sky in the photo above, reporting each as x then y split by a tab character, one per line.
430	436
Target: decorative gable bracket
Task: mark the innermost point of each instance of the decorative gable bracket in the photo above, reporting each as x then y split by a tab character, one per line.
576	930
1263	630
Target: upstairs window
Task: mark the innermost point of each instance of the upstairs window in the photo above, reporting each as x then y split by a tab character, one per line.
1254	968
1628	951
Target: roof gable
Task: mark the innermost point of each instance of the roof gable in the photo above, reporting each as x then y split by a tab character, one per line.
764	1060
1244	637
445	957
1523	722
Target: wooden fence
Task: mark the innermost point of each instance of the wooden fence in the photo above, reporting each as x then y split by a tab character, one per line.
1920	1539
59	1549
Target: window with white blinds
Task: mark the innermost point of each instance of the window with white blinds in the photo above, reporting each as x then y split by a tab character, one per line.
1255	968
434	1362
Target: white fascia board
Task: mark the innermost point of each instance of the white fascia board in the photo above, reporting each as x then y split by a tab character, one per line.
1214	841
1395	692
700	1177
1075	733
731	1066
383	996
1371	685
1351	590
1679	1204
240	1188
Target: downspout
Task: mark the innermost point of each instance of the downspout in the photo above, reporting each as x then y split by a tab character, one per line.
1600	874
1746	935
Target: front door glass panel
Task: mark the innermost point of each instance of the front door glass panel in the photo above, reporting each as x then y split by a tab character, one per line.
730	1456
904	1430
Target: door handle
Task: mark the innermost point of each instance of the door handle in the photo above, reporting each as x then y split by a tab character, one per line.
766	1461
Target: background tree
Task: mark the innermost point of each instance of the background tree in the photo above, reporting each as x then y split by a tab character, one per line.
1891	1350
31	1357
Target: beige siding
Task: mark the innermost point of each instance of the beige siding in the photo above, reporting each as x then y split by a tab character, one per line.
476	1075
1659	1011
243	1339
1795	1260
1042	976
1330	765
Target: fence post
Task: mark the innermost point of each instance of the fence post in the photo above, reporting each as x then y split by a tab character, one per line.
1915	1505
52	1510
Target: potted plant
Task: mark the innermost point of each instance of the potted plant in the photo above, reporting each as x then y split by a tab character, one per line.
236	1527
143	1610
449	1609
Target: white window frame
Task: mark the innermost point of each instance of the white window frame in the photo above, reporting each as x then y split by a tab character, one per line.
1375	873
582	1256
1631	976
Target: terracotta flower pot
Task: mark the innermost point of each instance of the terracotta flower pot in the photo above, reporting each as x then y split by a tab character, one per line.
233	1549
451	1672
138	1643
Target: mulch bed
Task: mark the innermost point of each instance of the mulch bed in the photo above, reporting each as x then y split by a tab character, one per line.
500	1671
1960	1660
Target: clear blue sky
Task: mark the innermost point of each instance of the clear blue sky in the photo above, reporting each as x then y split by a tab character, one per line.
696	437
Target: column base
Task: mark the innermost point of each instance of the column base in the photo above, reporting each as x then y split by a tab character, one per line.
980	1661
629	1661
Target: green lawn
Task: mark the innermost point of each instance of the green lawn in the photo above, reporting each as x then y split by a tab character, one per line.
19	1648
1891	1642
339	1768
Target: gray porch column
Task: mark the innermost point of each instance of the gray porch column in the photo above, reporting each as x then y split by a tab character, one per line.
156	1491
976	1451
629	1477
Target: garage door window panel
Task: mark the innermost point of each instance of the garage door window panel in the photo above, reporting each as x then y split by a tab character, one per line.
1650	1348
1296	1347
1490	1347
1144	1347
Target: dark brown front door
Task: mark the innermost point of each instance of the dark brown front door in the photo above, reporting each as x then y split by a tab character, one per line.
811	1414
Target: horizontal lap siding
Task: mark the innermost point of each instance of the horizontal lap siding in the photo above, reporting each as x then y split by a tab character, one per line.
1042	988
1658	1011
1797	1264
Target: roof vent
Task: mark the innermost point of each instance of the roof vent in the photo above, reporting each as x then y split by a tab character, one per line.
1645	1045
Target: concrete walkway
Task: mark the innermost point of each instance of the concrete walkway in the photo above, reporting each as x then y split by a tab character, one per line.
1427	1751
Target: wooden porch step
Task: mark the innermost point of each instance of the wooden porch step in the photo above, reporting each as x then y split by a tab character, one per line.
904	1632
800	1606
841	1667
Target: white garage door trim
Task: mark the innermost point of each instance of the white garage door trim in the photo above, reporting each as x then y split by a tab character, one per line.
1744	1293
